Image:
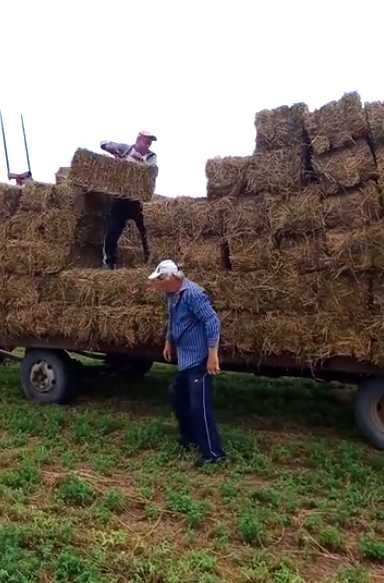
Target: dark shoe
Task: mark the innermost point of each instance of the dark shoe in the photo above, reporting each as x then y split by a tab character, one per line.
202	463
107	266
185	445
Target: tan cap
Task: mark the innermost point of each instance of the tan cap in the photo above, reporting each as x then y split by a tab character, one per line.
147	135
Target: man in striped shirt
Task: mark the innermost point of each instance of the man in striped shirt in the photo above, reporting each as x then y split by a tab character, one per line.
193	332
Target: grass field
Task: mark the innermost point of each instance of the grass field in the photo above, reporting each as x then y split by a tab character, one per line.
97	491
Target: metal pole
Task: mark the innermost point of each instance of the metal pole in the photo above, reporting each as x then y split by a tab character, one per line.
4	143
25	144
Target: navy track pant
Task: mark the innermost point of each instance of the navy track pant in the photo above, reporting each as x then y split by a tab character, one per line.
191	397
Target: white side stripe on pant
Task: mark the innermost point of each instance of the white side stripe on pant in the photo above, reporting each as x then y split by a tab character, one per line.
206	421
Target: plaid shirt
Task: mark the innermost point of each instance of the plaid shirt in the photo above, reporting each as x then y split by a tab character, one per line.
193	325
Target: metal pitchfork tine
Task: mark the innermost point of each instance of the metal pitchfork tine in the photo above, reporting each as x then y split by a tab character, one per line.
20	178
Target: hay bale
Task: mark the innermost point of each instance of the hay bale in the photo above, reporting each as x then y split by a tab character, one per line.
117	178
225	175
336	124
9	200
296	217
62	174
356	251
250	254
40	321
97	287
277	172
131	327
379	156
345	168
354	209
245	217
280	127
20	290
33	258
375	119
52	226
305	255
37	197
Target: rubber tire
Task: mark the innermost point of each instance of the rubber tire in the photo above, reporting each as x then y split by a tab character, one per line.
131	368
367	419
61	363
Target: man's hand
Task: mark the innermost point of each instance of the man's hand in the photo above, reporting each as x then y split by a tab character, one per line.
168	352
213	364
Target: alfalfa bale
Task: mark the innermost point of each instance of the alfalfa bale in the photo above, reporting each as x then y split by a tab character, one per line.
354	209
345	168
33	257
38	321
117	178
225	176
375	118
21	290
336	124
9	200
280	127
277	172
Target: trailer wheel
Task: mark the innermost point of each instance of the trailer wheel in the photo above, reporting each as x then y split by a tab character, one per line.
369	411
46	376
132	368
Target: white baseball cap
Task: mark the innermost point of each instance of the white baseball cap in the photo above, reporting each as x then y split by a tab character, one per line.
147	134
166	267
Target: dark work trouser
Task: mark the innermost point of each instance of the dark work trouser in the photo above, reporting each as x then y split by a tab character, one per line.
191	396
119	213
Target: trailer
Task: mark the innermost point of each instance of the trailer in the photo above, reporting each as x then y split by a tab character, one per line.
48	374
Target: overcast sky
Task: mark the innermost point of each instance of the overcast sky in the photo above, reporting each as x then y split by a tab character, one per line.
194	72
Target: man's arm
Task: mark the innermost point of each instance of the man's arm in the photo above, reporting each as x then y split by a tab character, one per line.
201	307
114	148
169	347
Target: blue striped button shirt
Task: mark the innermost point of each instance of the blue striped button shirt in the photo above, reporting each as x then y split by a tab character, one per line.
193	325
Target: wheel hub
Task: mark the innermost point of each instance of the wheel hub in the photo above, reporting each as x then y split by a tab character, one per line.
42	377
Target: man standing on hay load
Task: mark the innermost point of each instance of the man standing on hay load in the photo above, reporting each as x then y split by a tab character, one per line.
193	332
123	210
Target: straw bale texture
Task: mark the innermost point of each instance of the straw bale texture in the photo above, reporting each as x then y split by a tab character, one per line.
295	217
9	200
118	178
245	217
21	290
375	118
345	168
277	172
358	250
62	174
97	287
354	209
37	197
280	127
305	255
336	124
225	175
308	338
54	226
379	155
251	254
33	257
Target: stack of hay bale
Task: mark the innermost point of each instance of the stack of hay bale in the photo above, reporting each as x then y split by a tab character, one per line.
289	243
314	260
50	247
